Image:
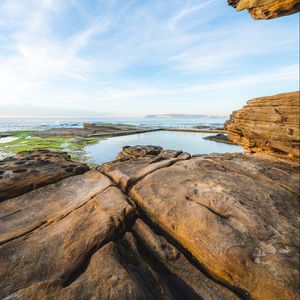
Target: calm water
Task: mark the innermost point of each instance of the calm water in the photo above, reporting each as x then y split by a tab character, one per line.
43	124
193	143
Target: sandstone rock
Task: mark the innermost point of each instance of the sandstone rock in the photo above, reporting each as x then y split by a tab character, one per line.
29	170
268	124
176	263
68	240
126	172
267	9
242	228
236	214
139	151
210	227
48	235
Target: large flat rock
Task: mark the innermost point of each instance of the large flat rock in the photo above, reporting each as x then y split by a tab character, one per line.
157	224
236	214
29	170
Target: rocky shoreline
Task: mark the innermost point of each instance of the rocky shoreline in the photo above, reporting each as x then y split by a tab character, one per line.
152	224
158	223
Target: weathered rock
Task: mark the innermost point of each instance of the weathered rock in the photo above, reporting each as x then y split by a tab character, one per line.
139	151
267	9
29	170
235	215
219	227
176	263
68	240
48	236
268	124
125	172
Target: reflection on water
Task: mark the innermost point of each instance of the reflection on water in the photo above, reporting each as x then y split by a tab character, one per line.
191	142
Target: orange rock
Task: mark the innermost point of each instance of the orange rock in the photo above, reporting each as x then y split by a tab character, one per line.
267	9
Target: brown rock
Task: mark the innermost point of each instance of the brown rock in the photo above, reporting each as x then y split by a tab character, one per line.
267	9
219	227
176	263
29	170
125	172
139	151
240	223
268	124
49	235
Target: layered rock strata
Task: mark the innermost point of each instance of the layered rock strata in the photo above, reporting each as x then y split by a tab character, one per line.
267	9
269	124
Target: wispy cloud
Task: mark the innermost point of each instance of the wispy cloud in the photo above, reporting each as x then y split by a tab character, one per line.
87	53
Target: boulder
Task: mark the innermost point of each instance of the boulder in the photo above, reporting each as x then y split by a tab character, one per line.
29	170
270	124
267	9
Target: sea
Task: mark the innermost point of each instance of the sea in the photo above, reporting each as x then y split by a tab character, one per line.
107	149
7	125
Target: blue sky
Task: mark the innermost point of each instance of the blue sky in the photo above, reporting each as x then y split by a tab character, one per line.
116	58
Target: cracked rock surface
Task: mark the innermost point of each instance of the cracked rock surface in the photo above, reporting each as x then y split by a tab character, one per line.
155	224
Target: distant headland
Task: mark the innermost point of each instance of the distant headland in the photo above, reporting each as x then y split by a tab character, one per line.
182	116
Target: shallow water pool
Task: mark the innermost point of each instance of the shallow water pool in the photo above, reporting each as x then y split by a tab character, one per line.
191	142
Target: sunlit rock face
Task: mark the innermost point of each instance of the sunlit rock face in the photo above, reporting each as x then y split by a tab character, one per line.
155	224
268	124
267	9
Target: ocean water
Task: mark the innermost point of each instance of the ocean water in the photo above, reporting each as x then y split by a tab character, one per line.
191	142
107	149
43	124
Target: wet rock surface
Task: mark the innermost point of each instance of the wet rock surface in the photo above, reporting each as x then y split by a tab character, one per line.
267	9
269	124
220	138
157	224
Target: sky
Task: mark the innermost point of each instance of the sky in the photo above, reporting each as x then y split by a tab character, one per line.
116	58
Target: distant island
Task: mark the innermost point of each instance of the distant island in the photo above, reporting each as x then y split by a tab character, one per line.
181	116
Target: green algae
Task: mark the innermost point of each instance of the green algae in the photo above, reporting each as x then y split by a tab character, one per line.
73	145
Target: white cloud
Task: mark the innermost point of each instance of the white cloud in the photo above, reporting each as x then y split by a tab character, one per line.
70	54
